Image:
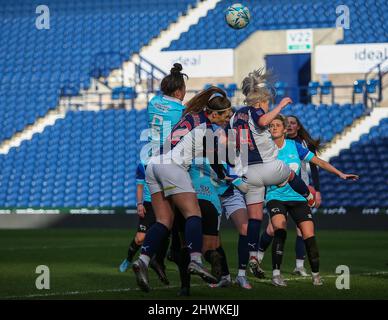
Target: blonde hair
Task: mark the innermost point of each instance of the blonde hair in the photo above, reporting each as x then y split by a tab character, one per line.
283	119
257	87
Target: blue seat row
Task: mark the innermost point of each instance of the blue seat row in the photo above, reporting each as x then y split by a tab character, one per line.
87	159
367	157
85	39
367	22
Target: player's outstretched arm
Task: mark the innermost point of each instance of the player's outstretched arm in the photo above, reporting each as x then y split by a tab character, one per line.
328	167
267	118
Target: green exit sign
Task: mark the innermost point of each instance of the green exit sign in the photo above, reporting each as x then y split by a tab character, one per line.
300	40
299	47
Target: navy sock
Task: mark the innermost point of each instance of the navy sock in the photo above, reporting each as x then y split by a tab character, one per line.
312	253
265	241
176	244
133	248
153	239
243	252
278	248
193	234
162	252
184	260
208	256
224	262
300	252
299	186
253	234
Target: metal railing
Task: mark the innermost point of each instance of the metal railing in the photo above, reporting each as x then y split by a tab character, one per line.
102	66
104	100
380	70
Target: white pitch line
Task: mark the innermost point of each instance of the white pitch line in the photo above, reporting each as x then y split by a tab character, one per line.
323	277
75	293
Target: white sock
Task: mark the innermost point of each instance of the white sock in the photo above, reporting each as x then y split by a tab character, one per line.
146	259
260	255
196	256
227	277
276	272
299	263
252	254
241	273
315	274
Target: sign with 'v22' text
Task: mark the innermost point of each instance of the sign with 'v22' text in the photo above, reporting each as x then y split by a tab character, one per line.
299	41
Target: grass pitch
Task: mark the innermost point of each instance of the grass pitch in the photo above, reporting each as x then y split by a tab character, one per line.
84	265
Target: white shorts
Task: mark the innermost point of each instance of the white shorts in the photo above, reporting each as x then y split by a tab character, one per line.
232	203
261	175
168	178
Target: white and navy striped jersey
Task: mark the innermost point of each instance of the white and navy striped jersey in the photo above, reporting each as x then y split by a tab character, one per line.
261	147
186	140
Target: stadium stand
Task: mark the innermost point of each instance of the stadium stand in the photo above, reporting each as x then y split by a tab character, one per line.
87	159
369	158
367	20
325	121
37	66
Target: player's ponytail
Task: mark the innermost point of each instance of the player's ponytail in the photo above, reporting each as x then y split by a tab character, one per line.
257	87
174	81
212	99
305	135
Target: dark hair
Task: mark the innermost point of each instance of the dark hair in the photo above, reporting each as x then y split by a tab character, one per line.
305	135
204	101
174	81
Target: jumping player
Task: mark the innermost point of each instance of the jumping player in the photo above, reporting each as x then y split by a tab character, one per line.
170	183
164	111
260	163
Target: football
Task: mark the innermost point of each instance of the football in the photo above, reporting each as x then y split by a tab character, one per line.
237	16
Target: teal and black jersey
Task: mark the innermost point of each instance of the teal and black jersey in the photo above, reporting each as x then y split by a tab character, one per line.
140	179
292	153
164	113
205	183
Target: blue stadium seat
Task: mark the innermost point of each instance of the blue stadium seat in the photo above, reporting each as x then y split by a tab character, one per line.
371	85
84	160
280	88
231	89
358	86
212	33
326	87
124	93
88	40
367	158
313	88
